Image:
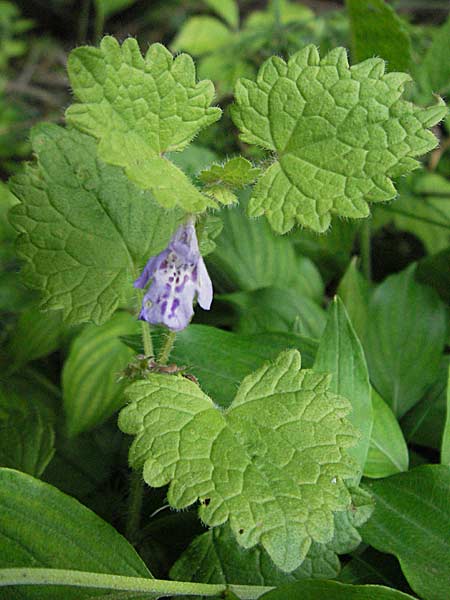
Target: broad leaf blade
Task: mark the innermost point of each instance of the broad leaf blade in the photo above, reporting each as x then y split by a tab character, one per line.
412	521
354	292
251	451
340	353
340	135
445	448
433	73
84	229
140	108
388	452
405	338
41	526
377	30
332	590
91	391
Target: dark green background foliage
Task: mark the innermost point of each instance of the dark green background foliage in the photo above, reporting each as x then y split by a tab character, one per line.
299	141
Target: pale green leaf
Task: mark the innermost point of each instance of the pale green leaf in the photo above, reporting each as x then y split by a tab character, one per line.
388	452
84	229
405	338
412	521
445	447
243	463
340	353
208	228
340	134
227	9
376	30
201	35
140	108
91	391
354	291
221	359
220	180
332	590
42	527
215	556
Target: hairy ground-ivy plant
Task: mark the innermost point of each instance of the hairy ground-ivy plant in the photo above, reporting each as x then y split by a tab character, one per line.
283	429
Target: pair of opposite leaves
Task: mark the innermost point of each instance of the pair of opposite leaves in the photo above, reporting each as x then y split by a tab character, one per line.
339	133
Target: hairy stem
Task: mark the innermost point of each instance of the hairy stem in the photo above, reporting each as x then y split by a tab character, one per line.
167	347
365	249
140	585
135	499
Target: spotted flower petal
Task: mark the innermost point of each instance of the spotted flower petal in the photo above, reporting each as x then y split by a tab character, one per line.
178	275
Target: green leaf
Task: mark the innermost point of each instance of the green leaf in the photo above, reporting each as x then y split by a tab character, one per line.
445	447
26	431
405	338
376	30
340	353
434	271
332	590
41	526
433	73
200	35
412	521
227	9
340	135
373	567
249	256
215	556
354	291
424	424
220	180
243	464
91	391
84	229
277	309
140	108
422	210
111	7
35	334
388	452
208	228
221	359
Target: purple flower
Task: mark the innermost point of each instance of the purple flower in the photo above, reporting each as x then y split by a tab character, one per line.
177	274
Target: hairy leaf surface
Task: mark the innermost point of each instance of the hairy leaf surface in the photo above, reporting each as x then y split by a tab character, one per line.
220	180
84	229
340	134
272	464
139	108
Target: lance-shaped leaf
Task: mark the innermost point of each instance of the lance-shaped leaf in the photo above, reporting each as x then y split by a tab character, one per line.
272	464
84	228
140	108
220	180
340	135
